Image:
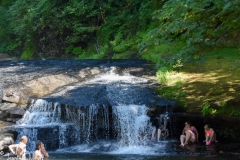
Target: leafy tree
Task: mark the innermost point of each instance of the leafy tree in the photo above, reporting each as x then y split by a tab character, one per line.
200	24
54	25
8	41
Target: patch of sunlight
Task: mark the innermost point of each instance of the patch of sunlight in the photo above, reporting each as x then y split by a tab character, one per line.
236	81
212	77
173	78
231	90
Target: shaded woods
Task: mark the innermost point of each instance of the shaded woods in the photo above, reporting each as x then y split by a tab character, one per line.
117	29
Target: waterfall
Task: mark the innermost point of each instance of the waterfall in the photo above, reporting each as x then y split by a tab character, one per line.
131	124
59	126
62	125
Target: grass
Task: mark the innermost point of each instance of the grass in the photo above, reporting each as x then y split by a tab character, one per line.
214	82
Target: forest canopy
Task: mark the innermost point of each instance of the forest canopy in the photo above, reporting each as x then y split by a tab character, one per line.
167	32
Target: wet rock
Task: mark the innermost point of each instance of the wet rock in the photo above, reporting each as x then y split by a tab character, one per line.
88	73
4	57
46	85
16	111
39	87
95	70
4	115
10	95
7	106
11	110
17	94
14	120
5	126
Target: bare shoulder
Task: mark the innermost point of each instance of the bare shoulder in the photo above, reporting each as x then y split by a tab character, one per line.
36	154
192	127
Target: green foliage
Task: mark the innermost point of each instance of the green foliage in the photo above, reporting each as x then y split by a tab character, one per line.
207	110
164	55
222	109
173	91
228	110
29	50
200	24
55	24
124	55
127	28
228	132
8	42
77	50
220	53
161	75
59	26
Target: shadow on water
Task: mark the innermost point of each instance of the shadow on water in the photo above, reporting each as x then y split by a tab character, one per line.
65	64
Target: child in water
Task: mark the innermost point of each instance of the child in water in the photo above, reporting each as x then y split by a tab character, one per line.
20	149
40	152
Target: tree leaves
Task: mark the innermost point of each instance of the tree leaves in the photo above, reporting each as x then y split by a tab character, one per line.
199	23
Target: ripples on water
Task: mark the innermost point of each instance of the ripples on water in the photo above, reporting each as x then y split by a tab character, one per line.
164	150
85	156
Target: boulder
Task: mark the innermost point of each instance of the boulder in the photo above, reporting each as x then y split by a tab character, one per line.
5	126
12	109
46	85
7	106
3	115
16	112
17	94
20	94
4	56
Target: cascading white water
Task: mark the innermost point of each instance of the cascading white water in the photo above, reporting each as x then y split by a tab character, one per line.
132	124
81	125
41	113
72	125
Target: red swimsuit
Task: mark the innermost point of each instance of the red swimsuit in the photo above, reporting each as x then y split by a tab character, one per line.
208	132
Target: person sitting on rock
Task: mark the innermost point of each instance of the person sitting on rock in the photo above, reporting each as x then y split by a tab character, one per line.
210	135
160	133
40	152
20	149
189	134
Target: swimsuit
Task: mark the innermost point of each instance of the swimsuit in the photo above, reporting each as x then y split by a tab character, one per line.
208	132
190	130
